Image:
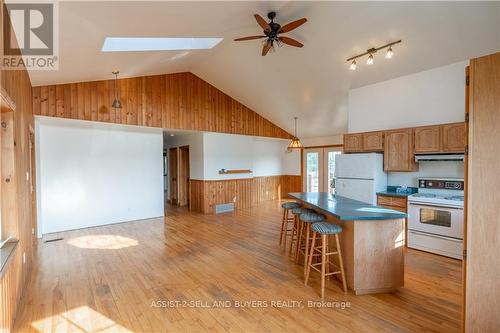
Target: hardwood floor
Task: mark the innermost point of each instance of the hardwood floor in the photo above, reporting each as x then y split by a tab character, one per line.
120	277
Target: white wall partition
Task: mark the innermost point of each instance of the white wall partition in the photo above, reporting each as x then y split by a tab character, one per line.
431	97
91	174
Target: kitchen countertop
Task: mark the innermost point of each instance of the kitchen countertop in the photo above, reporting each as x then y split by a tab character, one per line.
392	192
346	209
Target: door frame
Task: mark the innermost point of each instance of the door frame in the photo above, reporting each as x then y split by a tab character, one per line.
323	163
173	182
183	172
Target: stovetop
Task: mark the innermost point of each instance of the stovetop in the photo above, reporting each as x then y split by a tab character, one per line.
438	196
444	199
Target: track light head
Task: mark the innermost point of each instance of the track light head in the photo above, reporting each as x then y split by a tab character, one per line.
389	53
352	67
369	61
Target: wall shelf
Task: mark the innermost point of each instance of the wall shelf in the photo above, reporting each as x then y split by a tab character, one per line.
233	171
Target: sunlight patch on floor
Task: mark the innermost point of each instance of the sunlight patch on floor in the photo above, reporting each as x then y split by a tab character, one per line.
81	319
102	242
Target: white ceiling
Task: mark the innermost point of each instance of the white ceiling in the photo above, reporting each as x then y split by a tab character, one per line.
311	83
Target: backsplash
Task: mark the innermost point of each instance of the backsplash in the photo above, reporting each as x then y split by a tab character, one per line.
452	169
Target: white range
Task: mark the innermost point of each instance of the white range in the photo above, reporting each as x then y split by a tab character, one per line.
436	217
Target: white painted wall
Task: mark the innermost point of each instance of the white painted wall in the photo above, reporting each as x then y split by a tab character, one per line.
427	169
210	152
195	142
431	97
91	174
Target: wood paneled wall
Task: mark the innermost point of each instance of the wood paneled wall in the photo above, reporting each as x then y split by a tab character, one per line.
174	101
10	289
16	197
483	209
206	194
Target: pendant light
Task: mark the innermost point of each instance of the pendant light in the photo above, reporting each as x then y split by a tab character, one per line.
295	143
116	103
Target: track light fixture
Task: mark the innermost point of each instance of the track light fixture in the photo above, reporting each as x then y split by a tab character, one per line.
370	52
353	65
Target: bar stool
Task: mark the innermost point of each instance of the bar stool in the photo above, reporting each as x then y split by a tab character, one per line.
296	220
304	237
325	229
287	207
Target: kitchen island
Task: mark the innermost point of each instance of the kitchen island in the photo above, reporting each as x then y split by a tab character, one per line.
372	240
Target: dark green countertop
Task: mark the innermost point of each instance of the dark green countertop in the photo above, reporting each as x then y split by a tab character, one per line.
393	194
344	208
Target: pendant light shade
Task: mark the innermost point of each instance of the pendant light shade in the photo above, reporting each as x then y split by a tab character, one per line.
117	104
295	143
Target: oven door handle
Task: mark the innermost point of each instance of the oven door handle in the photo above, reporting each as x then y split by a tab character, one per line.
435	236
415	204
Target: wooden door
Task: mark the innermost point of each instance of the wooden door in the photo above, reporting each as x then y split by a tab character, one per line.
483	209
353	143
373	141
173	170
454	137
427	139
398	152
183	176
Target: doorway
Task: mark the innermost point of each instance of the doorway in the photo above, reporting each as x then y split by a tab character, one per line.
319	169
178	170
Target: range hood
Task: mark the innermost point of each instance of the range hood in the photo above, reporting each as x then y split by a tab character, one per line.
439	157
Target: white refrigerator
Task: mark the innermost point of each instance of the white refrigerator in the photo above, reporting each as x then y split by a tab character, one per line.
360	176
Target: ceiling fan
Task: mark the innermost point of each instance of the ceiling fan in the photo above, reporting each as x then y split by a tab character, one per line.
272	31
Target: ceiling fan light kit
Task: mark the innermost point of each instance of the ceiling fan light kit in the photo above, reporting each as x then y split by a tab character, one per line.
272	31
370	52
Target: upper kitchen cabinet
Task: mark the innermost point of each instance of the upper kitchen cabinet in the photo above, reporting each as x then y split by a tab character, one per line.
373	141
398	152
454	137
428	139
353	143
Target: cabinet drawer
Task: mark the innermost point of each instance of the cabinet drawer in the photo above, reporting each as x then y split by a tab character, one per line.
397	203
382	200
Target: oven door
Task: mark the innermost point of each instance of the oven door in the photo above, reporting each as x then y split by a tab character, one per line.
436	219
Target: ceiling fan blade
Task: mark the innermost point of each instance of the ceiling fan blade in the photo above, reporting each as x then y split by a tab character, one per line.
290	41
266	48
292	25
248	38
263	24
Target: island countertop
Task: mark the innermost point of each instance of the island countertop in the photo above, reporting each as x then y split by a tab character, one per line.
344	208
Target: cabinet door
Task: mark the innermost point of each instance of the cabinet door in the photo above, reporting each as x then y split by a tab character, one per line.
398	151
353	143
373	141
454	137
428	139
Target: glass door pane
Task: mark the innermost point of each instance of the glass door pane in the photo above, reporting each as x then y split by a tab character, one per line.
313	170
330	154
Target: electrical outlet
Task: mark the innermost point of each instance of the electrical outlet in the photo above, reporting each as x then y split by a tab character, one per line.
24	258
234	199
32	231
27	176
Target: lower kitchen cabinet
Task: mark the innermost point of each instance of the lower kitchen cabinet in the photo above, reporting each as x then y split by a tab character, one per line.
397	203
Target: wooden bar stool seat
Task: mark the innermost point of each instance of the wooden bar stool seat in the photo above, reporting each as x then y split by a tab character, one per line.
304	236
287	218
296	224
326	229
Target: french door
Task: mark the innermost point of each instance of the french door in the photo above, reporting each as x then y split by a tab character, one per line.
319	169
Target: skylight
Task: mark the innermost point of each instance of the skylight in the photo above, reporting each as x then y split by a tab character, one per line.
124	44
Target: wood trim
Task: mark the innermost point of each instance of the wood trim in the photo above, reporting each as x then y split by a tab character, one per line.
243	192
325	146
466	177
7	104
174	101
10	290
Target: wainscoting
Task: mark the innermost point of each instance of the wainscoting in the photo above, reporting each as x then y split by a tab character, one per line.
174	101
10	290
244	193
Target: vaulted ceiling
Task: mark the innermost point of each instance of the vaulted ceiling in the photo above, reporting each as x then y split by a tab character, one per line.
311	83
